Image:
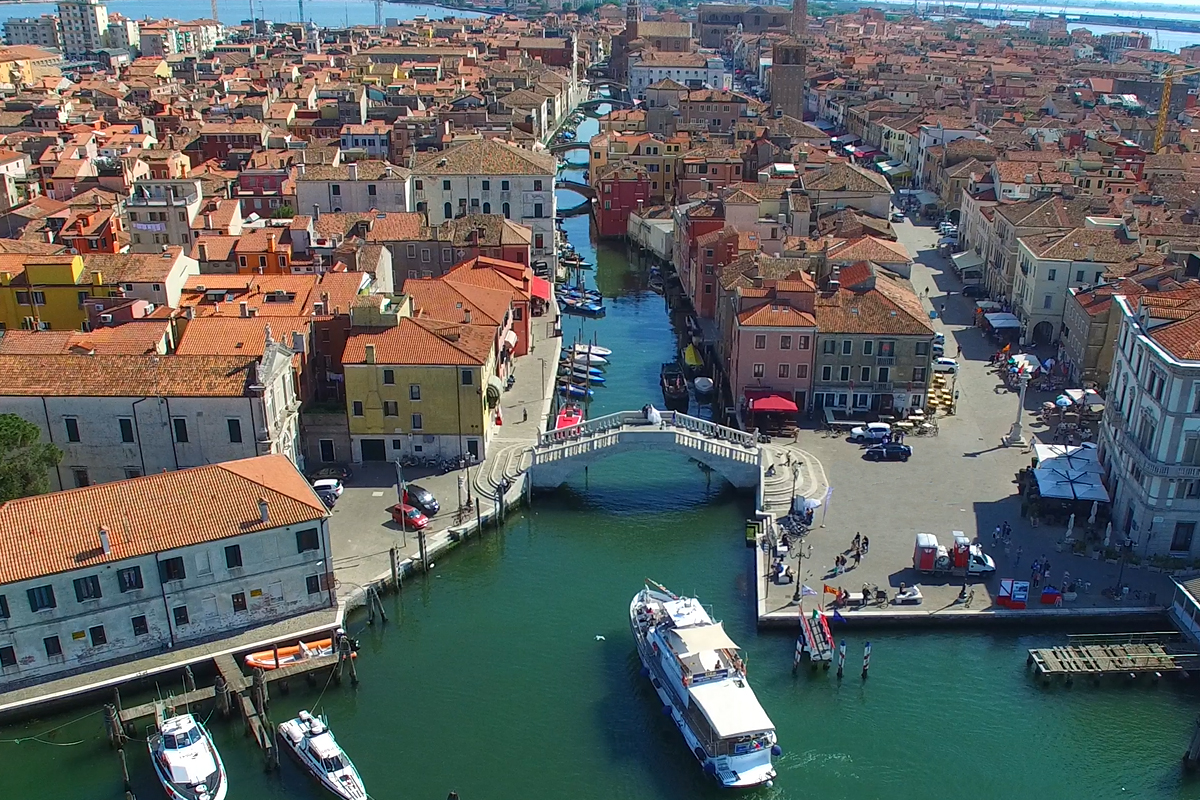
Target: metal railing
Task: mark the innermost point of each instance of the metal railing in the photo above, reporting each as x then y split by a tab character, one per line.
602	432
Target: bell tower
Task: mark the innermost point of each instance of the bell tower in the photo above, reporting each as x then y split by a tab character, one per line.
788	59
633	15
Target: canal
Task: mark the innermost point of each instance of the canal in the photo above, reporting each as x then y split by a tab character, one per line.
508	673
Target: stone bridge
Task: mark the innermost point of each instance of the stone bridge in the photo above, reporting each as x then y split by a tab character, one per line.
564	147
578	188
733	454
592	105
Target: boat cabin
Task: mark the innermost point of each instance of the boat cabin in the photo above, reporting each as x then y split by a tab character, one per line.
325	749
180	732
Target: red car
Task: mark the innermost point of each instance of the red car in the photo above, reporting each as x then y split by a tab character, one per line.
409	517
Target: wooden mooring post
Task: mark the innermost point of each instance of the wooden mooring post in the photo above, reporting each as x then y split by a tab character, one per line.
125	775
345	659
221	692
112	726
395	557
1191	759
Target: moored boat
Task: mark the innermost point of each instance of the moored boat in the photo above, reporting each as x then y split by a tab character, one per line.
703	384
585	308
575	391
581	375
592	349
311	742
584	358
674	387
568	416
701	679
265	659
186	761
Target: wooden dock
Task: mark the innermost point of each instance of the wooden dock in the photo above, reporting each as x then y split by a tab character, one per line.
1096	656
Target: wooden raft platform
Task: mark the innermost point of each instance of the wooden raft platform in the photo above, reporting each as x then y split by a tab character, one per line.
1104	659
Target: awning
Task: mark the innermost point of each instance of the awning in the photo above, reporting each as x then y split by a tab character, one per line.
541	289
999	320
510	338
773	403
927	198
495	388
704	637
1088	397
967	260
1070	484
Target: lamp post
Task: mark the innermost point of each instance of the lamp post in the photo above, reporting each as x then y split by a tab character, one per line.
542	361
1016	437
795	477
798	595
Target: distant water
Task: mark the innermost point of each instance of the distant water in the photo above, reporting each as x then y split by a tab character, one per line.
326	13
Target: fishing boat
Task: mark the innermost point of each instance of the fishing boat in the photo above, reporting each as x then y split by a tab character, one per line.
311	742
674	387
569	416
186	761
703	384
575	391
701	679
591	349
266	659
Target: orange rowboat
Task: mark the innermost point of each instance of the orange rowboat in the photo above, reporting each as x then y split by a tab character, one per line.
295	654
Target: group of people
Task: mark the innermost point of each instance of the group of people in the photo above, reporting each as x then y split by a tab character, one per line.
858	548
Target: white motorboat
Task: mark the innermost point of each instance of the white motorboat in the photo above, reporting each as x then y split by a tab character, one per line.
584	359
186	761
311	742
703	384
700	678
593	349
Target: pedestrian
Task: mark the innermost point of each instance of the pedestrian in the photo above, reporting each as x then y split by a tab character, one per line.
997	534
1036	567
866	545
857	556
857	540
1017	563
1046	575
959	353
1046	565
1007	528
942	311
1037	577
524	415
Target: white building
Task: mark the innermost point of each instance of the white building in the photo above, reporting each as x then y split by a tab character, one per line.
161	211
40	31
121	416
101	574
693	70
84	26
928	137
1150	435
352	188
157	278
123	33
1049	264
490	177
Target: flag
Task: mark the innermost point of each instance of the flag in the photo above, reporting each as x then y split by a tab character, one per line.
807	591
830	590
1006	348
837	617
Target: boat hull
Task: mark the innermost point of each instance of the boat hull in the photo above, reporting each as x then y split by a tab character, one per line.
265	659
675	706
178	792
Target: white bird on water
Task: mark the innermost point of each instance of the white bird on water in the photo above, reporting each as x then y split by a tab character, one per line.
599	638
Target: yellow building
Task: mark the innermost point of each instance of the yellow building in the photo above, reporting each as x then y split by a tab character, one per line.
47	292
421	388
661	158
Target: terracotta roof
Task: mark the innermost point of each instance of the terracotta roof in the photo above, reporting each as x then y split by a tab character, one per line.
888	308
59	532
132	338
842	177
451	301
422	342
124	376
134	267
485	157
769	315
238	336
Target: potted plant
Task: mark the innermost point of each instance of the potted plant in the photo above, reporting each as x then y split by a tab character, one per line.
1111	555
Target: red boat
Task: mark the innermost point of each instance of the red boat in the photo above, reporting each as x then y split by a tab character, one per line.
568	416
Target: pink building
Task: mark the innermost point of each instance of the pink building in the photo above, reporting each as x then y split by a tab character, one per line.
773	341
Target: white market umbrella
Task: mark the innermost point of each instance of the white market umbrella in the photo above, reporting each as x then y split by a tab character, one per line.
1107	533
1092	516
1070	526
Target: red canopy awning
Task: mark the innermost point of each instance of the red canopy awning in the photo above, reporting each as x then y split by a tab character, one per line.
773	403
541	288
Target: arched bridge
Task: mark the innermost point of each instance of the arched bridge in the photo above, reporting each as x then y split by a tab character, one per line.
592	105
602	82
733	454
578	188
564	147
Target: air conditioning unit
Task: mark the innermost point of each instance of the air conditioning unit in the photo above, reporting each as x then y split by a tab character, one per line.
106	318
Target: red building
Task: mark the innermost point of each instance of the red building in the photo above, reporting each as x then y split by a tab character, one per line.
711	252
692	222
92	230
620	190
218	139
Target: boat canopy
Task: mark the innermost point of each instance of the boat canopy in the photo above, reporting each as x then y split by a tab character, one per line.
702	638
323	746
730	708
691	356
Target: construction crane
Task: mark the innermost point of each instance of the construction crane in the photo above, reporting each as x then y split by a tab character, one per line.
214	10
379	15
1164	105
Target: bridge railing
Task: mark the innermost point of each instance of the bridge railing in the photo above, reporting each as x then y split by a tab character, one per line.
621	419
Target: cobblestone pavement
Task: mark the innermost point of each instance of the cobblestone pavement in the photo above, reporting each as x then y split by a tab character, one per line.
963	479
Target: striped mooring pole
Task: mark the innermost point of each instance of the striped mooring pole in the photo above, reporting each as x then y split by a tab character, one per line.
799	652
866	660
841	658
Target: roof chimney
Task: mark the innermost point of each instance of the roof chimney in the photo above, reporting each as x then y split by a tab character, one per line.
264	514
208	222
105	544
370	353
243	309
467	316
202	251
316	212
271	243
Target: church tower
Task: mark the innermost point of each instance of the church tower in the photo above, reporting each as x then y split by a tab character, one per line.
633	15
787	64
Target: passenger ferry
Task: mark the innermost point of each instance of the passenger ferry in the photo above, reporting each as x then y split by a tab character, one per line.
701	680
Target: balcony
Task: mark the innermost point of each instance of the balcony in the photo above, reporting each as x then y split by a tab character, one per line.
162	200
885	361
1124	444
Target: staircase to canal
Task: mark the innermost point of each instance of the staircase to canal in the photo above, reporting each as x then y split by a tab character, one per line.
735	455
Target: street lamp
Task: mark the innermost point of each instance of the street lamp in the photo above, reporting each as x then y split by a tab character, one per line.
798	595
795	477
1016	437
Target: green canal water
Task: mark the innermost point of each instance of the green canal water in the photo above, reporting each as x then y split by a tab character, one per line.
489	678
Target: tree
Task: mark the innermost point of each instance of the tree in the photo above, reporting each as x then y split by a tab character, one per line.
25	461
283	212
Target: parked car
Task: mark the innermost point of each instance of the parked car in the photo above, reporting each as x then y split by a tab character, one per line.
409	517
871	432
327	497
975	290
939	338
897	216
329	485
421	498
336	471
945	365
889	452
939	348
947	227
